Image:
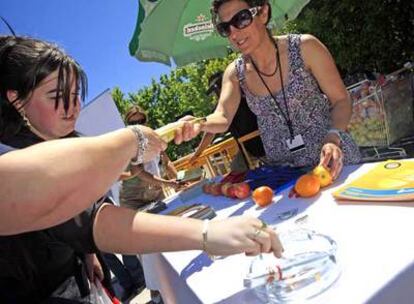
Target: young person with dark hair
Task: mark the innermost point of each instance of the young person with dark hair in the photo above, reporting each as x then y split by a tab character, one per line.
39	100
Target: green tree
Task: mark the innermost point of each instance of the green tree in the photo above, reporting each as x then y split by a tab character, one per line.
370	35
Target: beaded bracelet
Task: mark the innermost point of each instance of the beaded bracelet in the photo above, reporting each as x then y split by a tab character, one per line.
142	144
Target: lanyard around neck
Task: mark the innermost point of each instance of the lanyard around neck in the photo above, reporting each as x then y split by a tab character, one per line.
286	116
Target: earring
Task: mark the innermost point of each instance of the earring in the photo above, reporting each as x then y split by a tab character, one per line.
25	119
27	124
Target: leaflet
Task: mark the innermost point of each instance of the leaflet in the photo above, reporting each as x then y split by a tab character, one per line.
392	180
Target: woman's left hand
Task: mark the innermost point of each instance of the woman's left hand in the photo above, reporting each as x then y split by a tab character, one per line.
332	158
93	267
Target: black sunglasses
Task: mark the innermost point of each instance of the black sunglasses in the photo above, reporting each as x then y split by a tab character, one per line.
240	21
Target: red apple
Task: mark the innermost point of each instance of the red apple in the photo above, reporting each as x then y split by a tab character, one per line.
224	188
242	190
231	191
215	189
209	188
206	188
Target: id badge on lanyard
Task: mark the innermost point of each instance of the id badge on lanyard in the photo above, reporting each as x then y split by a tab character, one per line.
295	144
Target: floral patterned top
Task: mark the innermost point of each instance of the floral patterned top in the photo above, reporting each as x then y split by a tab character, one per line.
309	111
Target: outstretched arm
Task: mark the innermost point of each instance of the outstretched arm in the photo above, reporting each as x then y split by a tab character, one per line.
219	121
48	183
122	230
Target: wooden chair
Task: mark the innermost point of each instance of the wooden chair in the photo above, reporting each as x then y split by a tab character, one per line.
252	161
219	156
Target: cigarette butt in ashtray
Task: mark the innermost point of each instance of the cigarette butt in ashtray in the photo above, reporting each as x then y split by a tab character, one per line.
167	132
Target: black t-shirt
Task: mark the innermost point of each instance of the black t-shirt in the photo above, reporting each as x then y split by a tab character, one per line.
34	264
245	122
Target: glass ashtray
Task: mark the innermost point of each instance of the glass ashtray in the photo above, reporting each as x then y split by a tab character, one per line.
308	267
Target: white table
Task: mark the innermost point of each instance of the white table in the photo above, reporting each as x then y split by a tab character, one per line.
374	240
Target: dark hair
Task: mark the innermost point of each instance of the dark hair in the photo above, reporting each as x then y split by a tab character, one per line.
135	109
215	5
24	63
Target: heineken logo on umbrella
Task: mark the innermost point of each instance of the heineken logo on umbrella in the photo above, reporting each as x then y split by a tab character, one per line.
200	29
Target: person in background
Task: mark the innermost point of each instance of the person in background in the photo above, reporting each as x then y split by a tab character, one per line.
291	84
244	122
142	184
39	90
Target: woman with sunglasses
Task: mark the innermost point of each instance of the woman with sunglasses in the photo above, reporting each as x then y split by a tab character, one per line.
292	85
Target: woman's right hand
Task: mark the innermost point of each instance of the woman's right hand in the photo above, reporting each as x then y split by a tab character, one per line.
242	234
155	143
188	131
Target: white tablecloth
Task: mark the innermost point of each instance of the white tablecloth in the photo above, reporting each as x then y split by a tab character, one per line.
374	241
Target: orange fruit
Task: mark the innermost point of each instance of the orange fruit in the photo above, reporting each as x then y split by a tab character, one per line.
323	174
262	196
307	185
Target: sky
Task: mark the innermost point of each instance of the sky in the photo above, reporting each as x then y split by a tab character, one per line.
94	32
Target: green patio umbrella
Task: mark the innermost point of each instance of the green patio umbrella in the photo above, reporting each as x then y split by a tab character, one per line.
183	30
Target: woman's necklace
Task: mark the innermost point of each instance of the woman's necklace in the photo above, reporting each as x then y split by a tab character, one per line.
265	74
